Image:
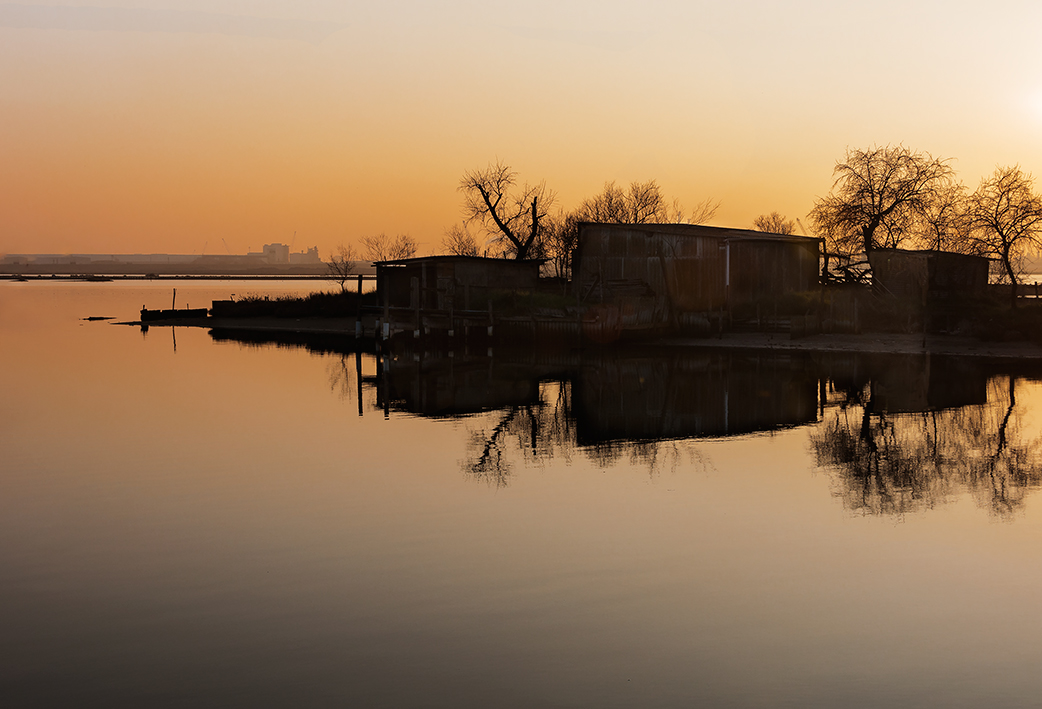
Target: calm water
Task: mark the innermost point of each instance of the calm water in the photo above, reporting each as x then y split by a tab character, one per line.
188	519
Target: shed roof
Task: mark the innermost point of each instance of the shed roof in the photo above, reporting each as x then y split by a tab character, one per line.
442	258
934	252
702	230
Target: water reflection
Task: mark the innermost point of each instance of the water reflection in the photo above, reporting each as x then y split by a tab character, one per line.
897	433
540	430
891	461
652	396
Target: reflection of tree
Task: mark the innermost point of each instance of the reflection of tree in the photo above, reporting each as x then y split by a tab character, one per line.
546	431
342	380
657	456
345	380
897	463
540	432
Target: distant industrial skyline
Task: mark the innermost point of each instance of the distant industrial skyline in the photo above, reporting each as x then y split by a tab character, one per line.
155	130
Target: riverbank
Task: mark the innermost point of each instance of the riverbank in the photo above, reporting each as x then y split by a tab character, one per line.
318	326
867	343
882	343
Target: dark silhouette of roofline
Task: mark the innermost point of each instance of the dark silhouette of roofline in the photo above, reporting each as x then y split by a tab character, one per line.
704	230
452	257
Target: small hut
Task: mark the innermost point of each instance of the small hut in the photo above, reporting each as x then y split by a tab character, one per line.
442	283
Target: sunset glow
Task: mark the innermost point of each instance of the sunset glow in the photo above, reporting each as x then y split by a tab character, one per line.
151	127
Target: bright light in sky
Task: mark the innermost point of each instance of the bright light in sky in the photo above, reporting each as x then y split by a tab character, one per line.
152	127
1034	103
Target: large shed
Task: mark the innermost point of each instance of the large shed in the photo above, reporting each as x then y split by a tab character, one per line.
685	269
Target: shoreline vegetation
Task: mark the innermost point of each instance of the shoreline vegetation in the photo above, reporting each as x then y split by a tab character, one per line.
975	327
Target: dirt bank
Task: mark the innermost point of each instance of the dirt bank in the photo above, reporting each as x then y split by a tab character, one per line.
868	342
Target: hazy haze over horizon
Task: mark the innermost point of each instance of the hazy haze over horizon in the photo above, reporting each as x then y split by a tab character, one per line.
140	127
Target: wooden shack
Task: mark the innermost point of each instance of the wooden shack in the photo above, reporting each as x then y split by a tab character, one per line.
443	283
660	273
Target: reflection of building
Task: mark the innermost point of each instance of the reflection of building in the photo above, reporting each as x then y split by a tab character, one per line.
617	396
447	387
907	383
692	395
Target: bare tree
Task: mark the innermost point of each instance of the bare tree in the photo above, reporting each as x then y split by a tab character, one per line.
700	214
342	265
610	206
381	248
943	223
559	239
509	214
1006	216
675	213
774	223
646	203
641	203
458	241
877	196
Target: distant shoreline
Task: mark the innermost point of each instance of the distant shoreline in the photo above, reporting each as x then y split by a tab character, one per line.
100	277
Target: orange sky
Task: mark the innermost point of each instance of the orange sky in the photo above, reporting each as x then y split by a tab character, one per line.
150	127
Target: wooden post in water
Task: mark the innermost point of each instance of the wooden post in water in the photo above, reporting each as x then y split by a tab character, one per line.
358	309
386	374
358	377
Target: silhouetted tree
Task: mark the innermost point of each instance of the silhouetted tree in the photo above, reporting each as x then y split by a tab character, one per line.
701	213
458	241
342	265
382	248
641	203
943	221
774	223
877	196
560	236
510	214
1006	216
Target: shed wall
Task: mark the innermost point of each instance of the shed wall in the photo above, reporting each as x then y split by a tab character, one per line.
444	283
689	271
